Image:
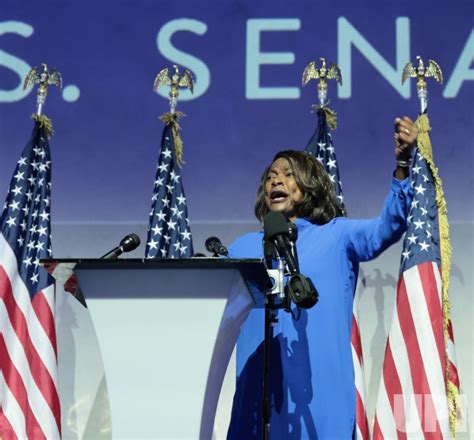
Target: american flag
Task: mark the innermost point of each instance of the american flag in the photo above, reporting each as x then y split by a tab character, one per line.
169	235
413	398
29	401
82	385
320	146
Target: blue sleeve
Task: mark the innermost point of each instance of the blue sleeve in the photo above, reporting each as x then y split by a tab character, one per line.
247	246
237	248
366	239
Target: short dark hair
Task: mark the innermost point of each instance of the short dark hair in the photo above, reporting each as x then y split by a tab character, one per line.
319	204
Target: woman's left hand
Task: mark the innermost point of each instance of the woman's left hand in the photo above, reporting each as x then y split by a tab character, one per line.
406	134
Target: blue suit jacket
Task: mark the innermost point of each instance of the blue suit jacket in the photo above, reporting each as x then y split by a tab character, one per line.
312	383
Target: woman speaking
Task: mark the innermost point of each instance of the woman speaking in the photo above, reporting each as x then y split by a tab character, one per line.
312	391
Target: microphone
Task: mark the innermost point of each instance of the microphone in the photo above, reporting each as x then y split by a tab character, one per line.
300	289
127	244
293	232
214	245
277	230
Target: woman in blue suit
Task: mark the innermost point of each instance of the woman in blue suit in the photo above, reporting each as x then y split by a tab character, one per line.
312	377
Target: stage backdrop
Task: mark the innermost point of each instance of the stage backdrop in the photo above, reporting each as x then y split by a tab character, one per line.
248	58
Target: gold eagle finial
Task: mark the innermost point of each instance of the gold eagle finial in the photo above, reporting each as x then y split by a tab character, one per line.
421	71
323	74
44	78
175	81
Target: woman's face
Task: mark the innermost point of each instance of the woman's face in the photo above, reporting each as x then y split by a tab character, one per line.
281	190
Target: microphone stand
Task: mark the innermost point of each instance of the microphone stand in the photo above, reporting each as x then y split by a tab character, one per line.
298	288
266	401
270	320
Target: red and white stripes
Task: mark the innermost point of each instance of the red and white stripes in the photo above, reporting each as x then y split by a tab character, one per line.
362	427
453	369
412	401
30	405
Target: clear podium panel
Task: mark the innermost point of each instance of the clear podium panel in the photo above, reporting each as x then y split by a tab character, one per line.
191	278
166	330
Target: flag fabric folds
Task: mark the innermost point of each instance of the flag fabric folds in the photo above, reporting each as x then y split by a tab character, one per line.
29	401
320	146
169	235
85	408
419	389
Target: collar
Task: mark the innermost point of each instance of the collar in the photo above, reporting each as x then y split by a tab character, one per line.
302	223
299	222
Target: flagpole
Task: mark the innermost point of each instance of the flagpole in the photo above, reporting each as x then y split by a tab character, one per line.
421	249
28	290
169	234
321	146
271	307
424	145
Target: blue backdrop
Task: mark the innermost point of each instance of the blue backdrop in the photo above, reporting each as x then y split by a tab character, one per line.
248	58
106	140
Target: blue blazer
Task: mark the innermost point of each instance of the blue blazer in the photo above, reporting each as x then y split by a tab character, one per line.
312	375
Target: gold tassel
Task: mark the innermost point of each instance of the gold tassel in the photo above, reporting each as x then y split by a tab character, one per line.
45	122
424	145
173	120
331	115
331	118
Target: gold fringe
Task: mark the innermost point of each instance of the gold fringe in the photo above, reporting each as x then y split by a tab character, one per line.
454	407
424	145
45	122
331	118
173	120
331	115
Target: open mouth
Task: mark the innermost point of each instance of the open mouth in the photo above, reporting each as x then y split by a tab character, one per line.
278	196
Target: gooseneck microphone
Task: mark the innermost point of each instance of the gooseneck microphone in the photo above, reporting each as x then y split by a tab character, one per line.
127	244
299	289
214	245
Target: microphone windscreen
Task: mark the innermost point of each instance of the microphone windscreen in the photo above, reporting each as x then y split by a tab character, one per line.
210	243
130	242
275	223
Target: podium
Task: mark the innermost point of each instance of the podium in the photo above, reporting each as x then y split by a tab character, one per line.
166	331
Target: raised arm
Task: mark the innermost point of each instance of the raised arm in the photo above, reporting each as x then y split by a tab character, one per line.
365	239
368	238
